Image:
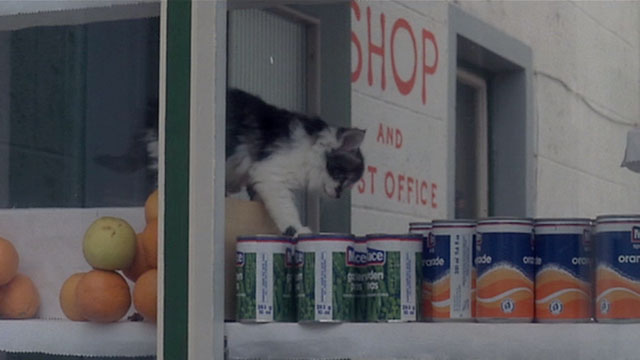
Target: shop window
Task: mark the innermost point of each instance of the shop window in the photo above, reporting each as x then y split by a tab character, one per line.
268	57
79	89
76	102
296	57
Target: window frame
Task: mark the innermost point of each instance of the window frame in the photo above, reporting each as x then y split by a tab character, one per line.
512	134
477	82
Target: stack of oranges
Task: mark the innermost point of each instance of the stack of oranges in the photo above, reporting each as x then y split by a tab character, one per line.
19	297
103	295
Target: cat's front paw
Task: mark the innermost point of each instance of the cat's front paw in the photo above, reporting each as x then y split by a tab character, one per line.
304	230
291	231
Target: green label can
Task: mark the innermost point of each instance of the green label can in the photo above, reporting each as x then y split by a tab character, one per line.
393	278
321	278
264	278
357	267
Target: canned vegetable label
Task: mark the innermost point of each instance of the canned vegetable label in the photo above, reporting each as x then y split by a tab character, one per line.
393	277
563	269
617	268
505	263
357	258
323	290
264	286
448	270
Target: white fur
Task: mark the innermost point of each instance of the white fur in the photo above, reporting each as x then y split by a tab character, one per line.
301	165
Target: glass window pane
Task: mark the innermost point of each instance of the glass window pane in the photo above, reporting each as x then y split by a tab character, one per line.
78	101
466	195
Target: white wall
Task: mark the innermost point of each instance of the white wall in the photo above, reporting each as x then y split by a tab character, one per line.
405	177
586	93
586	90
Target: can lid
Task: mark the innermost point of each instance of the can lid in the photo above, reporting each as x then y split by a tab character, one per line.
404	236
263	237
562	221
325	236
614	218
454	222
360	239
505	219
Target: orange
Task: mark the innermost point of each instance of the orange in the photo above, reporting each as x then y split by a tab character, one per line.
145	295
68	297
9	260
139	264
102	296
149	238
151	207
19	299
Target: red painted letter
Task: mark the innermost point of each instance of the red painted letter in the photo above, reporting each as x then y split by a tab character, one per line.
404	87
427	35
400	186
398	139
434	187
372	170
424	187
380	137
374	49
356	42
409	188
389	176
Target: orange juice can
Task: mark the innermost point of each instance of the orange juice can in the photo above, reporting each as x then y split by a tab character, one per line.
617	273
563	270
505	263
424	229
448	271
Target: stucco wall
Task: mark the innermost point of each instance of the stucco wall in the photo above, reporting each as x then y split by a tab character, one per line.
586	93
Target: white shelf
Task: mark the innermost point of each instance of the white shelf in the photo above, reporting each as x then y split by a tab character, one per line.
63	337
433	341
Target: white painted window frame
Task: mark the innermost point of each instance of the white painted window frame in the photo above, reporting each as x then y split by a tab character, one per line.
482	145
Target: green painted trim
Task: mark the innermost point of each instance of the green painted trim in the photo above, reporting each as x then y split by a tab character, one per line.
176	231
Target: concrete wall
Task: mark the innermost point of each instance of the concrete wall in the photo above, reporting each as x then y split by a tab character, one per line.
586	89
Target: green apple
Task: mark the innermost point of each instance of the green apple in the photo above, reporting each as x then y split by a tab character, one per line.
109	244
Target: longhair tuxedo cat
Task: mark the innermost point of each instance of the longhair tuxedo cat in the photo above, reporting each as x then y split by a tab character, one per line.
271	152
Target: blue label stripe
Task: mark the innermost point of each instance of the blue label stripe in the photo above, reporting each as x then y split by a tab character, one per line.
565	251
514	249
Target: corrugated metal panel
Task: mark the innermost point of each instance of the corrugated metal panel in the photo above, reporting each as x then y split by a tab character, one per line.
266	57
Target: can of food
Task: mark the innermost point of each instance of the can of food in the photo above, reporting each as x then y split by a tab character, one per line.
264	278
424	229
505	262
563	270
357	257
448	271
393	277
617	261
323	292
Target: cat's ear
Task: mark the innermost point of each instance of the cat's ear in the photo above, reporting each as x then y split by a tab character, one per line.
350	138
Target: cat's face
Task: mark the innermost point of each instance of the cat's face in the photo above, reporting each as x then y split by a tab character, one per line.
344	169
345	163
